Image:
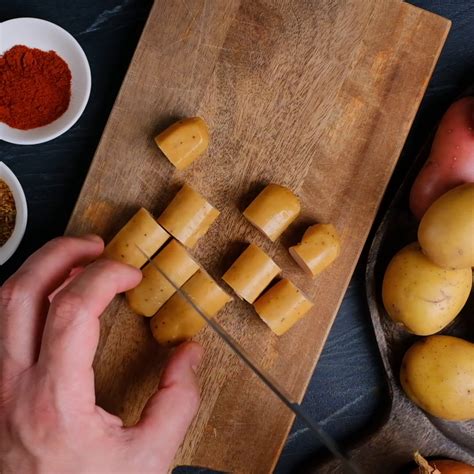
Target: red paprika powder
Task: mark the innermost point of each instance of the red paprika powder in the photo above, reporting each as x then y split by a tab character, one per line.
35	87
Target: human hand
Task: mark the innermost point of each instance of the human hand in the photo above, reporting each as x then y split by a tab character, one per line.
49	421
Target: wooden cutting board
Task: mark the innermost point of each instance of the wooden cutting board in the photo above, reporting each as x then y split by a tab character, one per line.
315	95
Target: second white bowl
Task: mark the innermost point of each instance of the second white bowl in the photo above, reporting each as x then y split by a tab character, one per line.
10	246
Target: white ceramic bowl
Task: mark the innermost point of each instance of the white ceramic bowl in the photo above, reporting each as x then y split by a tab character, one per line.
6	174
47	36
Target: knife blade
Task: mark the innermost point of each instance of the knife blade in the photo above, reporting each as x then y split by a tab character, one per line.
266	378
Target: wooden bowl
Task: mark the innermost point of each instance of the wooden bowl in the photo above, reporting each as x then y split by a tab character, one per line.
404	428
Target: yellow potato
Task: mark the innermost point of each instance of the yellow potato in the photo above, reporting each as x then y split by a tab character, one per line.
421	296
184	141
273	210
319	247
446	232
438	375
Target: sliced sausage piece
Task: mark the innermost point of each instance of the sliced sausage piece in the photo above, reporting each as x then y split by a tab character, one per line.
184	141
273	210
319	247
282	306
177	320
141	230
251	273
154	289
188	216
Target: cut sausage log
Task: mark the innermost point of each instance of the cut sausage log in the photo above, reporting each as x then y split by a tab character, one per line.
184	141
273	210
282	306
154	289
177	320
141	230
319	247
188	216
251	273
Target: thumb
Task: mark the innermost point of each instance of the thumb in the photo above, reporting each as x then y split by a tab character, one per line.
171	410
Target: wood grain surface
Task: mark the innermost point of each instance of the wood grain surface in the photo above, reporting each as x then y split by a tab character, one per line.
318	96
404	428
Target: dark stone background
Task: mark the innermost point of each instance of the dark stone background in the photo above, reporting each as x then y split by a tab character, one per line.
347	390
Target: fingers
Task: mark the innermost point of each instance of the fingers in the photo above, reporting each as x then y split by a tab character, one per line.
472	115
23	298
72	274
71	332
171	410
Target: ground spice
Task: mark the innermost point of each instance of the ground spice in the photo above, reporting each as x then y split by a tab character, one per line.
35	87
7	213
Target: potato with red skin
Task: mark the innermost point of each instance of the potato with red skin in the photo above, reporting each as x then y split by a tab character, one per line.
451	160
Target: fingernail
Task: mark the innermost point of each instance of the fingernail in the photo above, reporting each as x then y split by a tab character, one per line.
75	271
93	238
196	359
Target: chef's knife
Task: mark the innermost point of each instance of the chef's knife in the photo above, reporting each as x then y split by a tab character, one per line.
267	379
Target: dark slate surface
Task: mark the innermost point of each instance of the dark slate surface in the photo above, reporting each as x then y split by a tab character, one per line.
347	390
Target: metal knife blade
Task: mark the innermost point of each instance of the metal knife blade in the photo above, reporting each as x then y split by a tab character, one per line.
267	379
